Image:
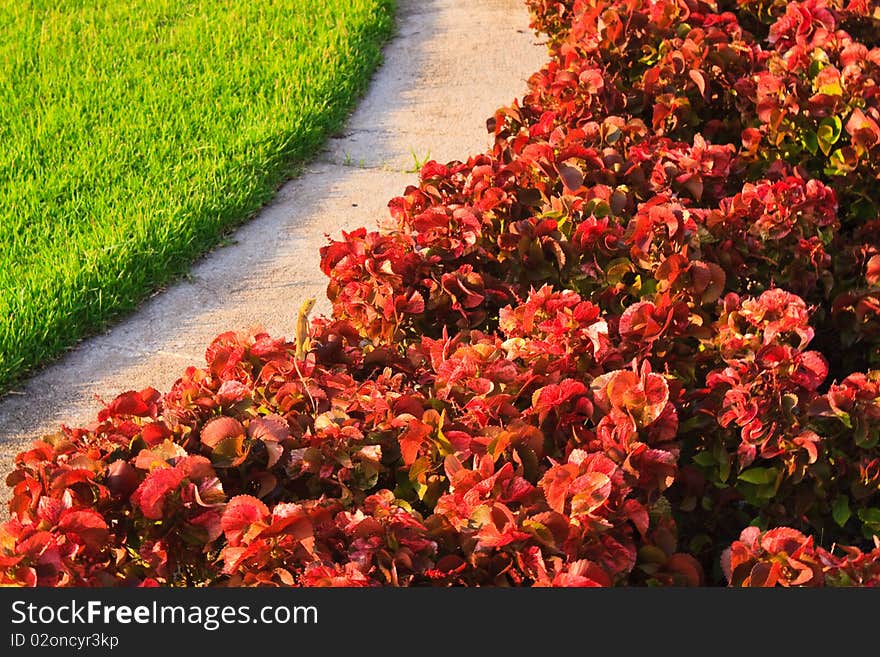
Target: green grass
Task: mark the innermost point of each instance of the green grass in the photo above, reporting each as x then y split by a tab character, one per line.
134	133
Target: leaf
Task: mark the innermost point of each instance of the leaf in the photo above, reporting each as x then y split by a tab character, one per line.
811	142
870	516
699	79
840	510
154	433
131	403
617	269
89	526
122	479
293	520
591	491
687	568
556	250
160	456
272	428
150	495
864	435
219	429
275	452
241	512
840	162
571	176
418	476
412	439
723	466
872	270
759	476
555	483
638	514
828	133
229	452
232	392
708	280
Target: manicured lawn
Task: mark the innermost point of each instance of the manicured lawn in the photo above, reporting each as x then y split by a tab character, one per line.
133	133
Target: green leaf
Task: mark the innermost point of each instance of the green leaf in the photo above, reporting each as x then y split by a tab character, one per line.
870	516
229	452
766	492
828	133
539	530
617	269
811	142
838	164
704	459
831	89
652	554
840	510
759	476
724	468
365	475
864	436
418	475
723	459
404	489
442	443
403	504
598	208
646	287
862	209
698	542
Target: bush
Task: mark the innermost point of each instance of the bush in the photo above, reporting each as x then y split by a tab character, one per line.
632	344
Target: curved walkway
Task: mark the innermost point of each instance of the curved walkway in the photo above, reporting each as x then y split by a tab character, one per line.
451	65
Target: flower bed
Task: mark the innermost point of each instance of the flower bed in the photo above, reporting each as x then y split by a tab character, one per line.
630	345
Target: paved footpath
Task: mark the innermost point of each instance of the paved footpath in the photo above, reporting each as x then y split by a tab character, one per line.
452	63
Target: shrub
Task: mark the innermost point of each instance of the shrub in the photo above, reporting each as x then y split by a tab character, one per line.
635	343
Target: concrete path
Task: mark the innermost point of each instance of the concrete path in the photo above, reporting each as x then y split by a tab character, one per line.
451	65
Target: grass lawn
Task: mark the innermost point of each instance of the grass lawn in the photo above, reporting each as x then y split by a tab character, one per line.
133	133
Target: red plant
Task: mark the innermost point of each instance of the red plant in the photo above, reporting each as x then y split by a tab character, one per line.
635	343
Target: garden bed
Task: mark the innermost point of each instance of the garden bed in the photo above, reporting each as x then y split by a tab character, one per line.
630	345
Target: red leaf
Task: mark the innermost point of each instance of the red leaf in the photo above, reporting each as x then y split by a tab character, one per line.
150	495
241	512
699	80
872	274
582	573
88	526
154	433
687	567
590	491
131	403
219	429
224	353
232	392
571	176
122	479
555	483
269	428
812	370
411	440
638	514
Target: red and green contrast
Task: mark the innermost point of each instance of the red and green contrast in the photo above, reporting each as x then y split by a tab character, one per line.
136	133
635	343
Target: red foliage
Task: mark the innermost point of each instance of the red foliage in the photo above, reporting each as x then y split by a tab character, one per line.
635	343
